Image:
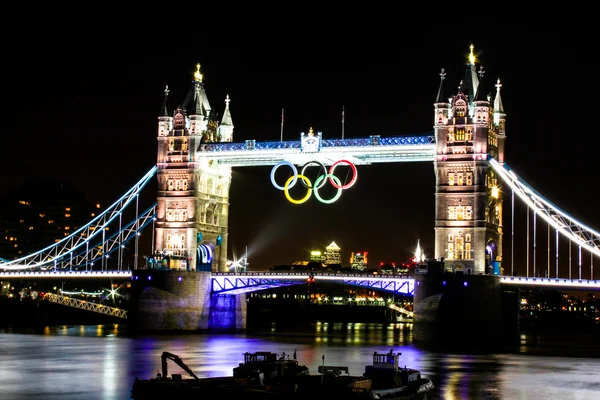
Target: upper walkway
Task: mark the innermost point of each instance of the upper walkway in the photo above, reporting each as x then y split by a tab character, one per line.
360	151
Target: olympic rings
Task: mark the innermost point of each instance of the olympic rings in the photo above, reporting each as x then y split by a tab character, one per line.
308	192
319	183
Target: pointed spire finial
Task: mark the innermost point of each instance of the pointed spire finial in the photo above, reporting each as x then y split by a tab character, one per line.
166	90
471	55
443	74
498	85
481	72
227	100
197	74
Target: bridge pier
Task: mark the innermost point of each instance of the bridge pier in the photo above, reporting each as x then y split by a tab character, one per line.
466	311
182	301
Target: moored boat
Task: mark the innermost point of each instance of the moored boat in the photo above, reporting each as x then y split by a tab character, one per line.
273	375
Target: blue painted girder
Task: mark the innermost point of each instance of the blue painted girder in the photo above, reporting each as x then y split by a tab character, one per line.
233	283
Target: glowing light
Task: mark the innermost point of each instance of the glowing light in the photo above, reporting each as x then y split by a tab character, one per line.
495	192
197	75
472	55
419	255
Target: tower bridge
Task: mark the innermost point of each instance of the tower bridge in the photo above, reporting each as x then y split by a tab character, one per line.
190	221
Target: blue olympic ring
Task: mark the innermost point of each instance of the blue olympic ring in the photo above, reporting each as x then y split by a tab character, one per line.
292	166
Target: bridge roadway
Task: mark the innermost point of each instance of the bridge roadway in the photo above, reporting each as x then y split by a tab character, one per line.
243	282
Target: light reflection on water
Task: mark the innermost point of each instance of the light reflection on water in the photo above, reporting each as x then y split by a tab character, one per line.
101	362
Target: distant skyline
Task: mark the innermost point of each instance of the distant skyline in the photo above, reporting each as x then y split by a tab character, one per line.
92	121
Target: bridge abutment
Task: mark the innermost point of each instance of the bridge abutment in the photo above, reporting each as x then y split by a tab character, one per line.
182	301
463	310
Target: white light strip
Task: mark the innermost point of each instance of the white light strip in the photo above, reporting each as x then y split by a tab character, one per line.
65	274
564	283
534	201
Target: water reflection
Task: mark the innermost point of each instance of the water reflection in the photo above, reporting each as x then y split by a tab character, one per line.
101	362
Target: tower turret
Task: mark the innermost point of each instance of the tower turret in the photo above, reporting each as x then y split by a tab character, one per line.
441	105
500	122
165	122
225	129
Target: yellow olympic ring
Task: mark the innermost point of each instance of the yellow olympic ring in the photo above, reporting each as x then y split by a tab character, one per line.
308	192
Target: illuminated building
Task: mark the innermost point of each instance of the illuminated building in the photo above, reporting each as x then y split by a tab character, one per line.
332	254
468	126
358	261
317	256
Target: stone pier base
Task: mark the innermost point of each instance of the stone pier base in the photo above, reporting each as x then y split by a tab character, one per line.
182	301
461	310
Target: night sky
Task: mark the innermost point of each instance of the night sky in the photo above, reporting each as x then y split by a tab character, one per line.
84	108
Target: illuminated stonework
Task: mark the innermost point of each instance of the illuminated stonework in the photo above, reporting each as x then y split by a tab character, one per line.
469	127
193	192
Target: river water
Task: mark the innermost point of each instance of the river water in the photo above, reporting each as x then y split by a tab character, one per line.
101	362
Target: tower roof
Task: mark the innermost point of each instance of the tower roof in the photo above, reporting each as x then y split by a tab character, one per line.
333	246
196	101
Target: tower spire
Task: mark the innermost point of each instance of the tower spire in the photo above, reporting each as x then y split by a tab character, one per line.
479	96
164	110
225	128
226	120
470	82
440	95
498	108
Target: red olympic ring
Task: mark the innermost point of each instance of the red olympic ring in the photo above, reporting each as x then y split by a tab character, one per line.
352	181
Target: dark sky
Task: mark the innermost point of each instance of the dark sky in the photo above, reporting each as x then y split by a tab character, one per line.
84	105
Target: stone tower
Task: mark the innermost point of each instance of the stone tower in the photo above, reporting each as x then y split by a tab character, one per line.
469	128
193	192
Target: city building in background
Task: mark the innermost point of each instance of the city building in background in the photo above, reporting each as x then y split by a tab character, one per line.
317	256
332	254
41	212
358	261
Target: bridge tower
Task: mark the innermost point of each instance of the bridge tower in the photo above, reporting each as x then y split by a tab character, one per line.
193	192
468	126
